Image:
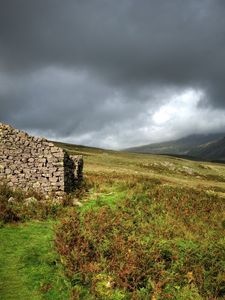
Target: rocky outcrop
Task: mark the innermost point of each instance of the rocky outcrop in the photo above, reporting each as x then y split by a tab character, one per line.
34	163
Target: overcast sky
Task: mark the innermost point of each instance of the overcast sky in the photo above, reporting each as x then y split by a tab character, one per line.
115	73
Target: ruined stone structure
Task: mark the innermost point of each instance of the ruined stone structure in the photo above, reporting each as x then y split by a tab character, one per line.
34	163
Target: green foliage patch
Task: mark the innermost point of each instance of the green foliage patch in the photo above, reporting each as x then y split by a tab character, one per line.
148	227
29	265
156	241
17	205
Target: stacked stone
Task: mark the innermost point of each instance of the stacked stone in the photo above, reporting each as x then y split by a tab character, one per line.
78	167
73	171
33	163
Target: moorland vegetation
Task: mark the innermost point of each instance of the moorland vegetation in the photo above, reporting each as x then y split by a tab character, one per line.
139	227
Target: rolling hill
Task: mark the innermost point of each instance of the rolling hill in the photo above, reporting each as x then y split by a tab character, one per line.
138	220
201	146
211	151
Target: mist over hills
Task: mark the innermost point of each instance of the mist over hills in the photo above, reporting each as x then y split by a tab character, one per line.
201	146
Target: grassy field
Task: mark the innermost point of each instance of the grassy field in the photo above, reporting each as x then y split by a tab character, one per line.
150	227
29	268
169	170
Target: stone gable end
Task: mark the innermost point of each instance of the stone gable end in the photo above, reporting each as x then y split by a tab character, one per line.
34	163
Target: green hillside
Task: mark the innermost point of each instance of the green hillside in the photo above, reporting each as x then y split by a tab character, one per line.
188	146
143	227
211	151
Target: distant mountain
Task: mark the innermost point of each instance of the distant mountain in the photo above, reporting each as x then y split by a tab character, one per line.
202	146
214	150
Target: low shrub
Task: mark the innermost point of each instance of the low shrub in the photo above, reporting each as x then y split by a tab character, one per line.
147	247
17	205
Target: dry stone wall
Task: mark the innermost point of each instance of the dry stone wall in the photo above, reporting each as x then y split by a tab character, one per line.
34	163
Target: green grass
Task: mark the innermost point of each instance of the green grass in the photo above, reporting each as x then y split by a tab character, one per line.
175	171
167	211
173	207
155	240
29	266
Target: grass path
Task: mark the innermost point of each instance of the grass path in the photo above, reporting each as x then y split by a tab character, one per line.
12	285
28	263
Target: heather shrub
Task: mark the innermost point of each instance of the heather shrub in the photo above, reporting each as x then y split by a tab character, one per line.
149	245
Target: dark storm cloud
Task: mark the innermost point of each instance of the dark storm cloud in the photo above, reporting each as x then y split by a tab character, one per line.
77	66
65	102
174	41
